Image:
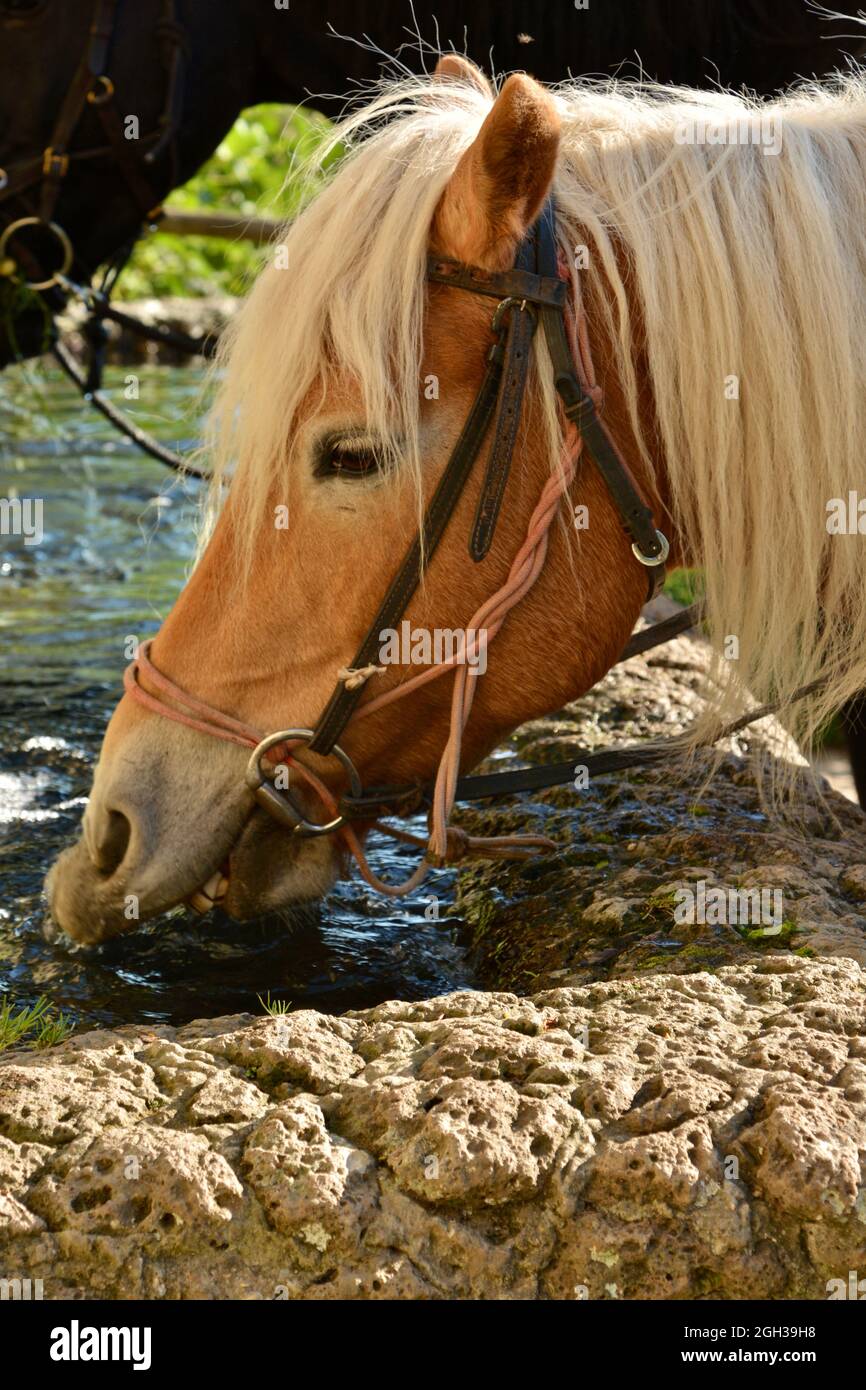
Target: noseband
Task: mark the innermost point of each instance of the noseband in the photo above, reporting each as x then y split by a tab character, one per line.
533	293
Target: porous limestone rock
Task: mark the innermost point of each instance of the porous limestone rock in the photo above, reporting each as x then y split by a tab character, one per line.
667	1136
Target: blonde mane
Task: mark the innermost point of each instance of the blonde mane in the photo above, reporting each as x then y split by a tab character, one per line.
748	269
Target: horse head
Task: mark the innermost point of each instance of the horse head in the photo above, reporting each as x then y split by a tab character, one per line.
714	251
349	382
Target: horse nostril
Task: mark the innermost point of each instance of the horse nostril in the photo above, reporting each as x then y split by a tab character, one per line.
113	844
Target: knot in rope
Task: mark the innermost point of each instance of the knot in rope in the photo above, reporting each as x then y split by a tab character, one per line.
353	676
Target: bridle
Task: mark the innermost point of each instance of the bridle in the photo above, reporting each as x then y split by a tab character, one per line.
35	183
533	294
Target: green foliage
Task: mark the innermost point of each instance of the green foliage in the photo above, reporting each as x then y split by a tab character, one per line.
758	936
275	1007
261	169
685	586
34	1025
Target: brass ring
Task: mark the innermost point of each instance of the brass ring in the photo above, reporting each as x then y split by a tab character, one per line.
277	803
99	95
57	231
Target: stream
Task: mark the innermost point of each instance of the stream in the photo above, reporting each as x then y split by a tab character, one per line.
118	533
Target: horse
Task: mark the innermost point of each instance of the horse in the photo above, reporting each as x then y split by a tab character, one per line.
706	290
184	69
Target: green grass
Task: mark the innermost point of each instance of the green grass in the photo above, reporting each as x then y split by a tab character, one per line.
275	1007
31	1025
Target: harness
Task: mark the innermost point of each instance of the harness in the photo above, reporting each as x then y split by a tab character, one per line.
37	182
30	190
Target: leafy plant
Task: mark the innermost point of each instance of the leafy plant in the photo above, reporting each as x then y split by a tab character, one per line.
275	1007
33	1025
684	586
261	168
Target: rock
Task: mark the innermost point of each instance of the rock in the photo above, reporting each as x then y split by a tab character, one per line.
667	1136
603	907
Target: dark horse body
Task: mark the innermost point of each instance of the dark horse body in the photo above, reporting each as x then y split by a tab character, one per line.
241	52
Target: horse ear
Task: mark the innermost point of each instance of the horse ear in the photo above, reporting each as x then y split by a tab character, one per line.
452	65
498	188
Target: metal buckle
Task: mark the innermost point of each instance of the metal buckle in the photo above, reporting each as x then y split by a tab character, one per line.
279	804
57	231
101	91
649	560
54	165
504	305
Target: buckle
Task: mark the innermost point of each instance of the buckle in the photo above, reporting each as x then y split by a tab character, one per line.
54	166
505	306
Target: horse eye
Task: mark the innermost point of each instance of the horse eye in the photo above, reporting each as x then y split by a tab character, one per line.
346	458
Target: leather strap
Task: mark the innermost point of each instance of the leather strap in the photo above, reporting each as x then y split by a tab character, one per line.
636	516
522	323
92	65
509	356
342	703
519	283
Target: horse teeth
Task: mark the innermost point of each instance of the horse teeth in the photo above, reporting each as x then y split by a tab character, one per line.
210	894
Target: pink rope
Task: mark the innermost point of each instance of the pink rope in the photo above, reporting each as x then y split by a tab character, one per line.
445	841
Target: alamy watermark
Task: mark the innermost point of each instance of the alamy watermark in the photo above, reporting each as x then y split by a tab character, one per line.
77	1343
747	129
421	646
854	1288
755	907
20	1290
22	516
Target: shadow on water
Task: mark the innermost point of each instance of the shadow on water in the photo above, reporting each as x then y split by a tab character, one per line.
118	538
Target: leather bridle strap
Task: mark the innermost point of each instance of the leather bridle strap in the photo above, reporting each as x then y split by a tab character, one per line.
504	380
522	323
55	160
649	546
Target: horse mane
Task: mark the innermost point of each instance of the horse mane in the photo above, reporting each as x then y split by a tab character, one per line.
734	275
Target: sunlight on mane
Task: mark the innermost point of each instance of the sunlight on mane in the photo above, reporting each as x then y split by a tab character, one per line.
743	264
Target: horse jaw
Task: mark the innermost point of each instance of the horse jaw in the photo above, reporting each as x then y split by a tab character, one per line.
185	818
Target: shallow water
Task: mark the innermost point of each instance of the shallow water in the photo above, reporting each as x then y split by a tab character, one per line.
118	537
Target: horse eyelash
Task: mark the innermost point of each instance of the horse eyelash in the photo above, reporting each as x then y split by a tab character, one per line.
353	445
